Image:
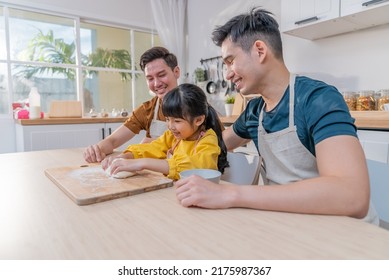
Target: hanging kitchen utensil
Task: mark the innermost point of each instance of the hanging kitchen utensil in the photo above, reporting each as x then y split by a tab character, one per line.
233	87
218	82
211	85
228	90
224	75
206	75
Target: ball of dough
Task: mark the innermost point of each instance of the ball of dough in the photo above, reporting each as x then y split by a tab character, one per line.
123	174
120	174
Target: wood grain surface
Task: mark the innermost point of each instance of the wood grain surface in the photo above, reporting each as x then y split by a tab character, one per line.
363	120
87	184
65	109
39	222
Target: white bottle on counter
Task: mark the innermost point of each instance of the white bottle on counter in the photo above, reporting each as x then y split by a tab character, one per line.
35	103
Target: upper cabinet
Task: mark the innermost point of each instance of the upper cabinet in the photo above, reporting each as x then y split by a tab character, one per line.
315	19
302	13
365	13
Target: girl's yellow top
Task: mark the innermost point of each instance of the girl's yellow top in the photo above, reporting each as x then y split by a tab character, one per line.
200	153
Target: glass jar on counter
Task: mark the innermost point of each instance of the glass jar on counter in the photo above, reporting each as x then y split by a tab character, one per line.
384	99
124	113
351	100
366	101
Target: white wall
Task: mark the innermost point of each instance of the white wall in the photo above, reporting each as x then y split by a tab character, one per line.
353	61
136	13
204	15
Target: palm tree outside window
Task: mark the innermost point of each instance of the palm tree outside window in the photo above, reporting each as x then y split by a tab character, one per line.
101	68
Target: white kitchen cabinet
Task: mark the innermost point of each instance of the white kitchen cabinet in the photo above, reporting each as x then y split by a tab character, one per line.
376	147
315	19
111	127
47	137
300	13
365	13
379	189
375	144
309	18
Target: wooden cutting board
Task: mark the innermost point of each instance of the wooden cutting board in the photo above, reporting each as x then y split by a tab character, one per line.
65	109
89	184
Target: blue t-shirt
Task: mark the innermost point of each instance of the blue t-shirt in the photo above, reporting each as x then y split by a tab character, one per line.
319	112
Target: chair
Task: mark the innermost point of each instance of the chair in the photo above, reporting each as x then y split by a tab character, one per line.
243	170
379	184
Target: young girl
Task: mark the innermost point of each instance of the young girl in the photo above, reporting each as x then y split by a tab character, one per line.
194	138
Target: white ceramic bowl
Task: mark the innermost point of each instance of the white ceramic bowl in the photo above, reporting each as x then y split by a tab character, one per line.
209	174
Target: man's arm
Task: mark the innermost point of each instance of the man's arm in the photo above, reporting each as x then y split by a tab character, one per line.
97	152
342	187
232	140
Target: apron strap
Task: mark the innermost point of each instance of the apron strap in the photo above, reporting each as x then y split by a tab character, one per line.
292	79
156	109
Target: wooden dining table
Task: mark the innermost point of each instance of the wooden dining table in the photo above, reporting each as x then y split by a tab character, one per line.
39	221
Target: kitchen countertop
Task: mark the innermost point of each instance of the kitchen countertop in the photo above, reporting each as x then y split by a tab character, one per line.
363	120
371	120
84	120
38	221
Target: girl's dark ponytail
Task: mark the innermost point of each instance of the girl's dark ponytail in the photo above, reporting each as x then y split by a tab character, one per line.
213	121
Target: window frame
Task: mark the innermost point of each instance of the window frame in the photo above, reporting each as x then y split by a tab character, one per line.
78	66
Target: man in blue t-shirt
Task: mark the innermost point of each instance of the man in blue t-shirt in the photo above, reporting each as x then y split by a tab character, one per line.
301	127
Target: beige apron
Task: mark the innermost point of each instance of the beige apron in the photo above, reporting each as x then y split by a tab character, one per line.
157	127
286	159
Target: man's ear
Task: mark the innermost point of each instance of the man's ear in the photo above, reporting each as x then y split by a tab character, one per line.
177	72
260	49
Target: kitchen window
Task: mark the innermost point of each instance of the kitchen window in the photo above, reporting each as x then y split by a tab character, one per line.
68	58
4	101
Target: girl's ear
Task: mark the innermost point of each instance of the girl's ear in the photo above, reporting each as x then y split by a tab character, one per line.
198	121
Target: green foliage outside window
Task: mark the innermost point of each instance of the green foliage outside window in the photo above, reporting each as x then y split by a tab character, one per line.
46	48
